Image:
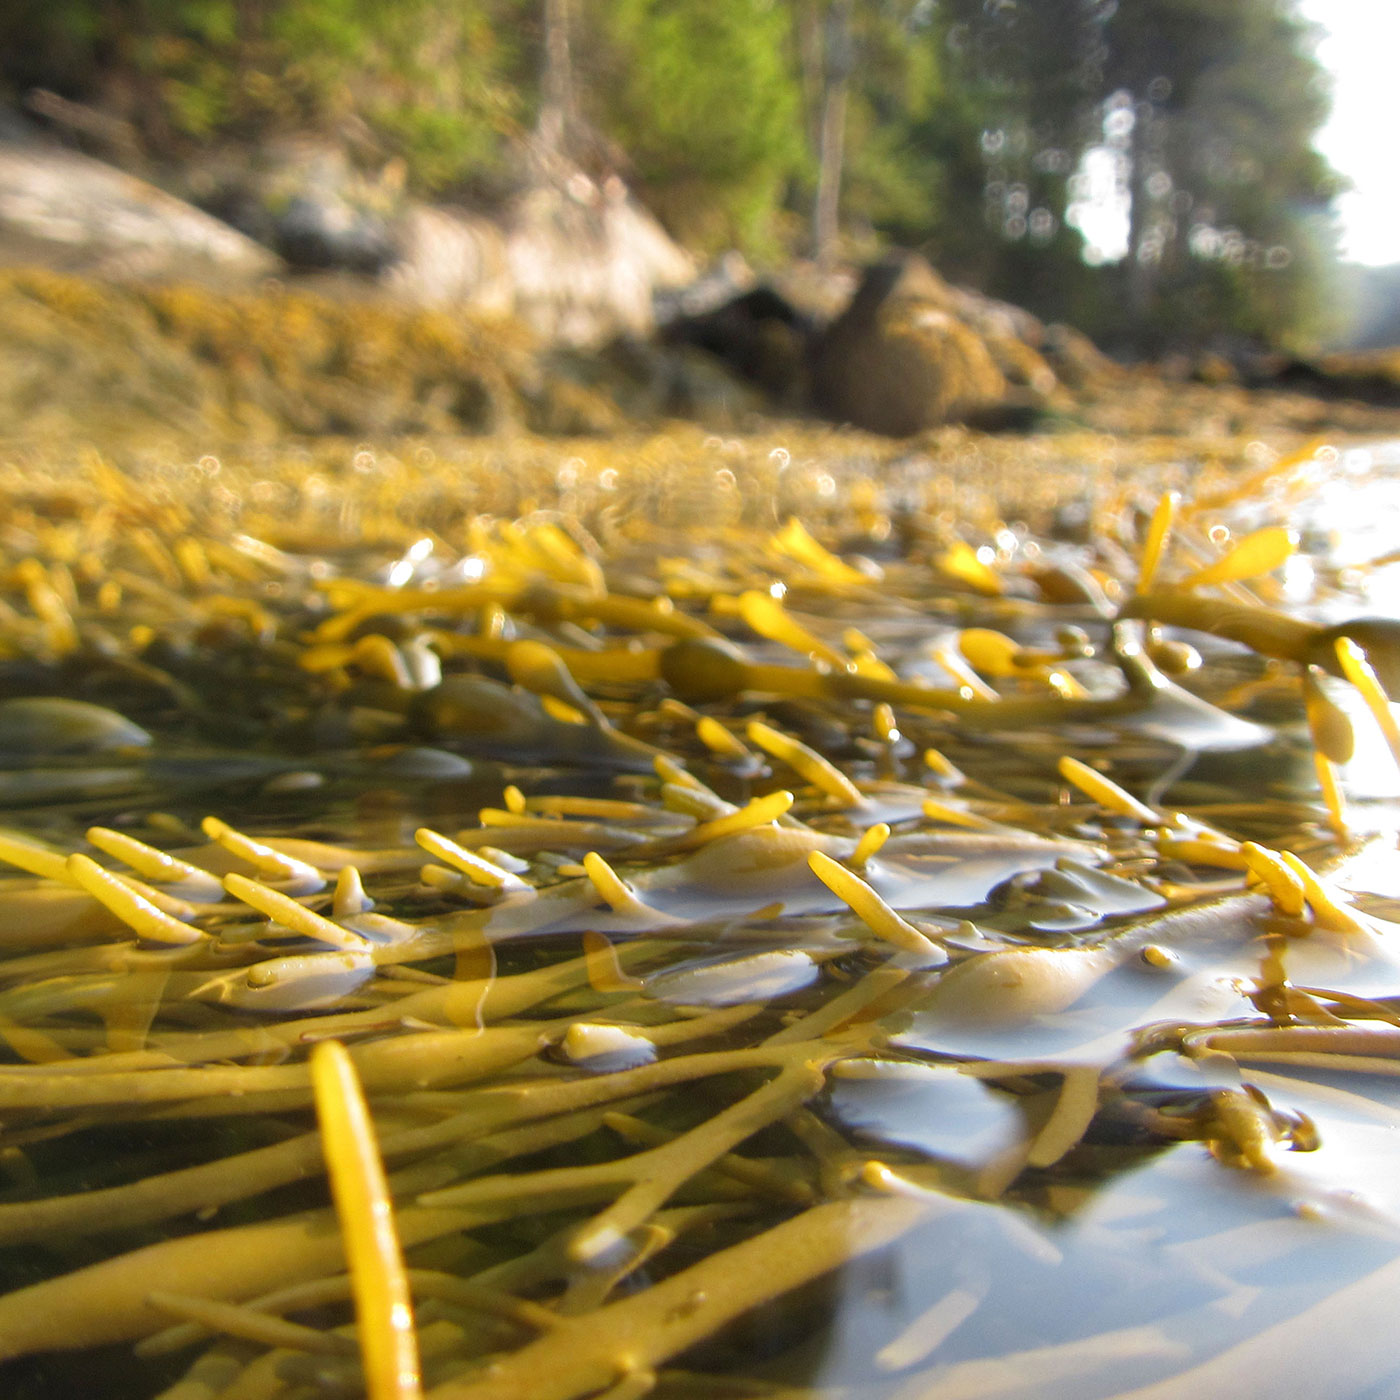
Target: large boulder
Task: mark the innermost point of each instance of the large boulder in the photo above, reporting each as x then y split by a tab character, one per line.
68	211
577	260
304	197
451	257
899	351
1078	362
759	335
586	260
900	359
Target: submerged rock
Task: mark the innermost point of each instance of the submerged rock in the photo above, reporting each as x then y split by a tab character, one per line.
49	725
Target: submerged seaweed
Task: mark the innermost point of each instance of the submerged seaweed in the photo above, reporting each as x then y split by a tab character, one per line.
582	932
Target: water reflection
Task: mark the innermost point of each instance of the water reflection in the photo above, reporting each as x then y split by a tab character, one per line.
1139	1272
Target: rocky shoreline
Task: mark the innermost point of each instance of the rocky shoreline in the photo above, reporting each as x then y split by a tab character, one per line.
566	311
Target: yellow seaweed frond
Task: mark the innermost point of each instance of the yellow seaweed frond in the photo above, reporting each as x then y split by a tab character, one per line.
1106	792
1245	1131
938	811
566	560
864	662
943	768
1329	906
47	604
612	888
796	542
719	740
153	864
767	616
884	725
759	812
129	904
992	653
32	1045
1154	546
1199	851
350	897
1064	684
383	1305
1260	552
251	1324
633	1384
1282	882
601	808
1332	795
871	839
669	771
605	972
1357	669
808	762
961	562
956	664
377	656
297	917
1253	485
1329	725
270	864
194	562
542	669
870	909
1075	1107
25	854
325	657
476	868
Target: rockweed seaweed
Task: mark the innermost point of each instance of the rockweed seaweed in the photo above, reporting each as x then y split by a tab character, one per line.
559	927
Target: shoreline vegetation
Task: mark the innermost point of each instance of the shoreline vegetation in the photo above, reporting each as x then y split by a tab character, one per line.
1144	175
180	369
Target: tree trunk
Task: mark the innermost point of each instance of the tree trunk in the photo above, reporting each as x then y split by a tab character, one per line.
556	118
1142	275
833	131
809	65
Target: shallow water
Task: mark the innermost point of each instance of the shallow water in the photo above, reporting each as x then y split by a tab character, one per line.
1056	1099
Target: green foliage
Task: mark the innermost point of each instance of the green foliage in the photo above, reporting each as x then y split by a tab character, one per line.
703	100
435	81
1227	189
894	180
1208	107
966	123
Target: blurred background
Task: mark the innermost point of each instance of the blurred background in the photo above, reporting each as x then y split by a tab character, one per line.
1171	177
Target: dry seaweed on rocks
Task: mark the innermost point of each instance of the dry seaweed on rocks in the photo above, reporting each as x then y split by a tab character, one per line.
710	919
